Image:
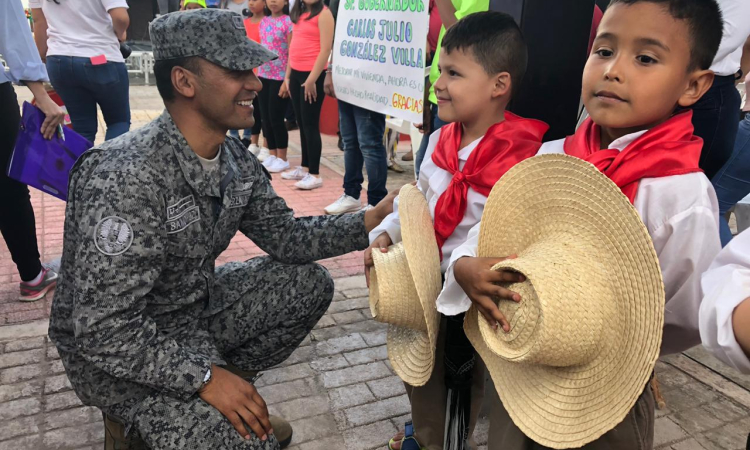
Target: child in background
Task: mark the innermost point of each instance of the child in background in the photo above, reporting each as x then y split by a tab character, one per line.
649	62
275	35
252	27
312	39
193	4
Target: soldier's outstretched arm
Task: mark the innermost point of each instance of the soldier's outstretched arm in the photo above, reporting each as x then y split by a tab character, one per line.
114	227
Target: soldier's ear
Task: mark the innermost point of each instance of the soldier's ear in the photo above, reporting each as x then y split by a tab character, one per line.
183	81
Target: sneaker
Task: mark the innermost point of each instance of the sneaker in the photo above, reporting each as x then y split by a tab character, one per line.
297	174
343	205
268	162
263	153
367	207
32	292
309	182
254	149
395	167
278	165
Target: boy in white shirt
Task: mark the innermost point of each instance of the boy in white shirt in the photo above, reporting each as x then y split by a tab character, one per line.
650	59
483	58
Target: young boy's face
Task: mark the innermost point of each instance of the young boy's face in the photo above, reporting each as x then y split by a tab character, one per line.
193	6
637	72
464	90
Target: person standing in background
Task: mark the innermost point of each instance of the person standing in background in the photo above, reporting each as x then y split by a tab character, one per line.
236	6
312	39
80	41
715	115
17	222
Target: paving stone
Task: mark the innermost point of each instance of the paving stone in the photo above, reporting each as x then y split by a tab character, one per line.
666	431
380	410
709	415
348	396
690	444
10	392
20	373
62	400
65	438
375	435
689	396
328	443
356	293
732	436
670	377
56	366
303	407
313	428
57	383
72	417
347	317
24	344
300	355
338	296
387	387
349	305
400	421
284	374
365	327
18	427
19	408
367	355
283	392
340	345
325	322
22	443
324	334
358	374
349	283
374	338
52	352
329	363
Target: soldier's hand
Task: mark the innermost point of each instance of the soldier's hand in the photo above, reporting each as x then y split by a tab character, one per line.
380	244
481	285
238	401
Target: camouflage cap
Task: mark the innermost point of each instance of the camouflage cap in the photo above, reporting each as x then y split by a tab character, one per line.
214	34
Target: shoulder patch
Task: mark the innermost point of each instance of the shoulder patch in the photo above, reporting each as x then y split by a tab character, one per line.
238	23
113	235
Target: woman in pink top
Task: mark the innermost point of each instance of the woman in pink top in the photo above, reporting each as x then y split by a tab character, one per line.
312	39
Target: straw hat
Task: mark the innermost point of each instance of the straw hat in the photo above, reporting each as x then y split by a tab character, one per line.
586	334
404	286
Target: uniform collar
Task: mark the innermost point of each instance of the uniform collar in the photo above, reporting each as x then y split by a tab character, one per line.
201	181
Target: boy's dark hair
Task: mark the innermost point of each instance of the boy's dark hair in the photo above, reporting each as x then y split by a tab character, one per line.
163	74
704	22
495	41
300	8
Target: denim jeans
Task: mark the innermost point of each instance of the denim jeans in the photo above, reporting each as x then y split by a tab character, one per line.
732	182
245	134
362	132
436	125
82	85
715	120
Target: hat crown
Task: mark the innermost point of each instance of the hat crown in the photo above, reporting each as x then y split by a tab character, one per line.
556	323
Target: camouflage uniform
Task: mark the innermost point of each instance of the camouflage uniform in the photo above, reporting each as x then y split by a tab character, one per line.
141	311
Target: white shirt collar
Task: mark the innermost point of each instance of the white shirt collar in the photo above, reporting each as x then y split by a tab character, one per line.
622	142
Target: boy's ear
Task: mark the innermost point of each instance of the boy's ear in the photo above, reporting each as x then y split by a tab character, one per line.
503	85
700	81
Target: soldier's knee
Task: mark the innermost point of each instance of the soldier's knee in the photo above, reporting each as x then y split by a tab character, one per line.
321	282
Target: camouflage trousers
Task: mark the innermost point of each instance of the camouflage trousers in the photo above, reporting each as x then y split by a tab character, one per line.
259	327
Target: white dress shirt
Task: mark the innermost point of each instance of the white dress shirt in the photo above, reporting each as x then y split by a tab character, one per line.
725	285
433	181
681	214
736	15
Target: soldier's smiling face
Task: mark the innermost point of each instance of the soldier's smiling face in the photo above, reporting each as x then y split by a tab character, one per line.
225	97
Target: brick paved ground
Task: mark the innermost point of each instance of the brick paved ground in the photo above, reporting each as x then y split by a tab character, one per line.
337	389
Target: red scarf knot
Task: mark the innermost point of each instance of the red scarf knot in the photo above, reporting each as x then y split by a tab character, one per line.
504	145
669	148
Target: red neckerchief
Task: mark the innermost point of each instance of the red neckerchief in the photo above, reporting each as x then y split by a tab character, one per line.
667	149
504	145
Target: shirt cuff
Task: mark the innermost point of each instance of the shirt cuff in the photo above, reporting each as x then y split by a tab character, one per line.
452	299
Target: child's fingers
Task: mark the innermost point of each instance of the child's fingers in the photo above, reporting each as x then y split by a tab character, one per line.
503	293
506	276
493	315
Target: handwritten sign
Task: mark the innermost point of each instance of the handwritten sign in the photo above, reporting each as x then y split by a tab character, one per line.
379	56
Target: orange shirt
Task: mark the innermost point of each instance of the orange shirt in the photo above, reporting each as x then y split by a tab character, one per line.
305	43
253	32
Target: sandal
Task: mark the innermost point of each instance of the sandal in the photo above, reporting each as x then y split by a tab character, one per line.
408	441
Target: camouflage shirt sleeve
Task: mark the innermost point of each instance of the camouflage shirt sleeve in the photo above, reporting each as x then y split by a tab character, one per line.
119	241
271	224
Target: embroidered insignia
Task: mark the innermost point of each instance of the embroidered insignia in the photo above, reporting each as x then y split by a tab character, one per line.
113	235
180	207
238	22
178	224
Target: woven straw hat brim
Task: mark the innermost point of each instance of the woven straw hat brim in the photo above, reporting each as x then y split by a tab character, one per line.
569	199
411	350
